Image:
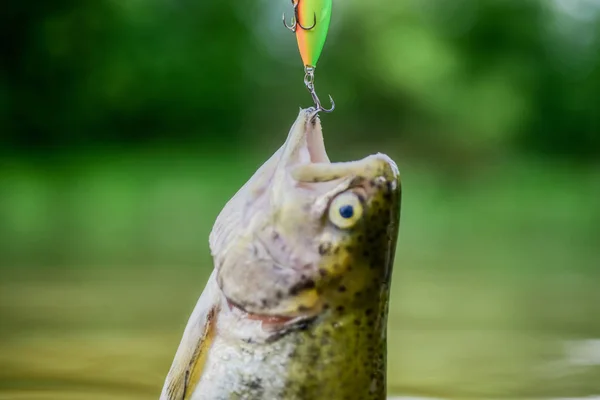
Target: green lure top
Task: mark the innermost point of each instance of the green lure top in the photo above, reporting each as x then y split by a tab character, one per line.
311	25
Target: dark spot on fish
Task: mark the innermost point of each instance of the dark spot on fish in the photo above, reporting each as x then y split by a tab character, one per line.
302	308
303	326
255	384
326	306
342	288
337	266
357	322
302	285
366	253
279	294
323	272
324	248
349	249
340	309
264	302
369	311
358	294
275	235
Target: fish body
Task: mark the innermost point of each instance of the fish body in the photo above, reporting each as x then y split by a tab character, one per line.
296	307
311	41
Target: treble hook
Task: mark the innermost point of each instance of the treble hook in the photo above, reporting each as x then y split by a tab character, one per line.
309	81
296	19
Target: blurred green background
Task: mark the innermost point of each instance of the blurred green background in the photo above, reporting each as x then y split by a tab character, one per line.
125	126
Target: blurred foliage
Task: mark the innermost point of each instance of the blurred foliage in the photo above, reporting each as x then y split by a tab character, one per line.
119	91
469	74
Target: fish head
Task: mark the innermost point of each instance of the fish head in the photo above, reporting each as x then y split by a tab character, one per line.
305	235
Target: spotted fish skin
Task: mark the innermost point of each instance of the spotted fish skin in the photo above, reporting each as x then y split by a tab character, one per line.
300	291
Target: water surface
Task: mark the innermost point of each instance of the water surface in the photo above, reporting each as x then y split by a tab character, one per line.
111	333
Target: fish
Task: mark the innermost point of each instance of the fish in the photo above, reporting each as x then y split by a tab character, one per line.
296	305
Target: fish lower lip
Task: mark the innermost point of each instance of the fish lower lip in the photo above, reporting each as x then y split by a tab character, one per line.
269	319
315	144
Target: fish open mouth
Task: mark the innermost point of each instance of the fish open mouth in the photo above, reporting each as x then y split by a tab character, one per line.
305	144
299	179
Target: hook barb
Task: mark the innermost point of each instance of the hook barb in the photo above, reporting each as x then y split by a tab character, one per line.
325	110
292	26
318	106
296	19
310	27
309	81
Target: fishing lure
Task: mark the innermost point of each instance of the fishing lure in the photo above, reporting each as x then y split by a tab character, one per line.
311	39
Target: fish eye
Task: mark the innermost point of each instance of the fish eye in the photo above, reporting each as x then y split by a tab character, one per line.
345	210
